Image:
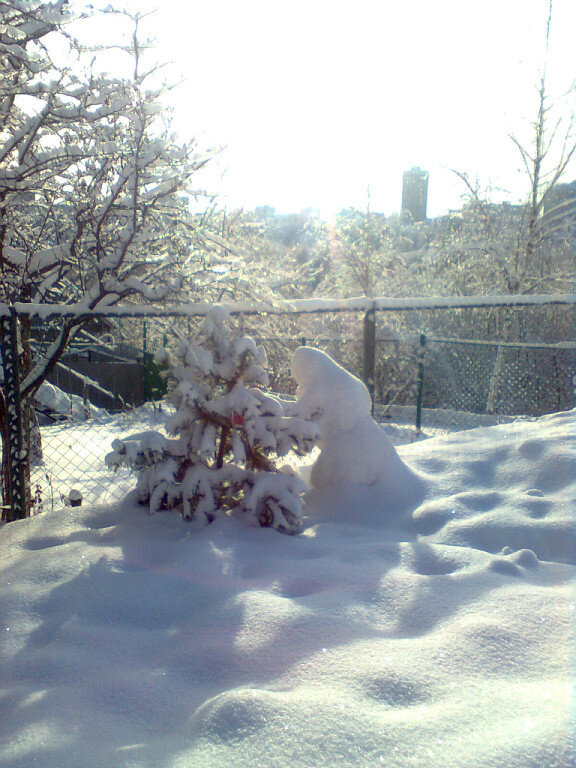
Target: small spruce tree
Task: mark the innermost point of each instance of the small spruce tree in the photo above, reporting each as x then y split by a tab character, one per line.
227	436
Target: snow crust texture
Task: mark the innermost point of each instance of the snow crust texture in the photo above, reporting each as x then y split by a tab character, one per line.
442	636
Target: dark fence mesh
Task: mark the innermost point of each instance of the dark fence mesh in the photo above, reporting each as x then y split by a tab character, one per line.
522	380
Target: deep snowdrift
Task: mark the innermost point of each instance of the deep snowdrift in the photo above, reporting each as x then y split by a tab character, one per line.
439	637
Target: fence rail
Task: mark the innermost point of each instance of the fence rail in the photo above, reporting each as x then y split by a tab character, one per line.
409	364
292	307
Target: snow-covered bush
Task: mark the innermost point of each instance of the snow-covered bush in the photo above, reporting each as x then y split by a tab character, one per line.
226	435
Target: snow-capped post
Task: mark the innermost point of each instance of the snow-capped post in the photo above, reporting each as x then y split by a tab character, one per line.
227	436
74	498
14	463
369	356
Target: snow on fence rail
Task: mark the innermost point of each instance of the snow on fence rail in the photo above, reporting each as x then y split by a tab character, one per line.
295	306
429	370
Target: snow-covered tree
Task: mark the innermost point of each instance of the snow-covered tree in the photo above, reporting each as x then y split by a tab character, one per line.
94	188
226	436
366	250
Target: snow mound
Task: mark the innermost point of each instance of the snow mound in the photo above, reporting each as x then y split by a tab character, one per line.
51	399
355	450
509	486
440	637
327	393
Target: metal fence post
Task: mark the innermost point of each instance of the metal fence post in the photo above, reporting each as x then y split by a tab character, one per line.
369	357
420	382
17	491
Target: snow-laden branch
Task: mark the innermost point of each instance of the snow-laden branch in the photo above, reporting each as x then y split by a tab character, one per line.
46	363
39	262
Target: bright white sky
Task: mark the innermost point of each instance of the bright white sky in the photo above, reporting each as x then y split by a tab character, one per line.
317	100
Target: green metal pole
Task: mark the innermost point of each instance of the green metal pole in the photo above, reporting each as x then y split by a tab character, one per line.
17	459
420	382
145	377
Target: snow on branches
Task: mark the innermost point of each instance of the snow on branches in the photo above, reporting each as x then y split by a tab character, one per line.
96	191
226	435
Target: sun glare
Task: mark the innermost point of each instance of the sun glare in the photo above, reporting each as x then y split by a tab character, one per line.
315	102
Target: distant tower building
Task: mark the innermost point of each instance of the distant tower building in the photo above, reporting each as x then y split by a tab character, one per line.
414	194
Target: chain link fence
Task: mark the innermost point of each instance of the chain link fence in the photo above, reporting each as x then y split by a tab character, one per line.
108	385
70	468
508	379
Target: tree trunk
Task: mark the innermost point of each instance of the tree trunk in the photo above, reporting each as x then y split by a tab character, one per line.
15	460
5	483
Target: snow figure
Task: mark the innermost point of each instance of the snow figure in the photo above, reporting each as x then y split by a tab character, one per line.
227	434
355	450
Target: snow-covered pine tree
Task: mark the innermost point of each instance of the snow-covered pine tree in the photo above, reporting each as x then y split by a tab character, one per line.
227	436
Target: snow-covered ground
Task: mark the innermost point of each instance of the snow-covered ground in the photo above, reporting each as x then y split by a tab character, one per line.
439	636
